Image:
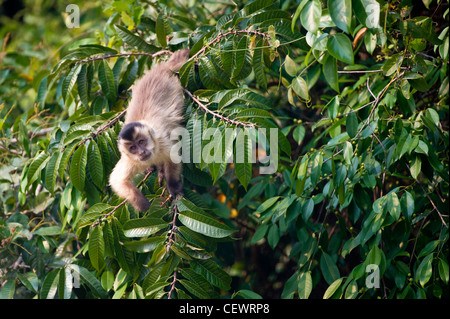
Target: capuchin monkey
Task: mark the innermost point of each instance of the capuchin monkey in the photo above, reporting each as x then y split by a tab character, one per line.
155	110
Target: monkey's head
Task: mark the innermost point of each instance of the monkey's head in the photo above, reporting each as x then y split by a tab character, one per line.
136	141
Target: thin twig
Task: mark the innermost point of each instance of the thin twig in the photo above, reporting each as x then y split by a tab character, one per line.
429	198
104	217
152	55
172	285
103	128
217	115
221	36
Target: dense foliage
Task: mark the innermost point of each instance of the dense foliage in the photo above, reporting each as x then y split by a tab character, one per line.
353	97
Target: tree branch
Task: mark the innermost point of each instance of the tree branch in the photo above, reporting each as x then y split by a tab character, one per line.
217	115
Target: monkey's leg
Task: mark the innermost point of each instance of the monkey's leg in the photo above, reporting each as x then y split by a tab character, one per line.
160	175
172	173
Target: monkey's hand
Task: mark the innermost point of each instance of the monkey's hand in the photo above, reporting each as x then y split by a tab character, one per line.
140	202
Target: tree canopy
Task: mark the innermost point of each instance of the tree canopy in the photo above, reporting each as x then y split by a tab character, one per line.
317	162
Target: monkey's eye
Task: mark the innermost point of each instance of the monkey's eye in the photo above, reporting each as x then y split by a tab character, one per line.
133	148
141	142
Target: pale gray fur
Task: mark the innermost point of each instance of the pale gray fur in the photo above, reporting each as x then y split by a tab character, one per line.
157	103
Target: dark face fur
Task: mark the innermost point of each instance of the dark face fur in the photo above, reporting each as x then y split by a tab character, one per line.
136	141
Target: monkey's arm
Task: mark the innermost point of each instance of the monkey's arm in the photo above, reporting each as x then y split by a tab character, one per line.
120	181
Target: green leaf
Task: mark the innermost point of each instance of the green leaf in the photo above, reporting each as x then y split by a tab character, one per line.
243	164
96	247
307	209
330	72
351	124
124	256
310	15
51	171
93	213
273	236
258	64
204	225
407	204
348	152
297	13
393	205
332	288
162	28
290	66
304	285
134	40
83	81
36	167
368	13
316	168
300	87
340	47
49	285
253	112
106	78
65	283
95	164
424	271
143	227
78	168
329	269
443	270
248	294
90	280
70	80
212	272
145	245
416	167
341	13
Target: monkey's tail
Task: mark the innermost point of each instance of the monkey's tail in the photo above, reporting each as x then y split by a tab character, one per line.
177	60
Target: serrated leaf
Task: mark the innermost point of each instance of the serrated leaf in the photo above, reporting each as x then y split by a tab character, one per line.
243	164
36	166
258	64
135	40
92	213
83	85
78	168
96	247
49	285
125	257
143	227
204	225
70	80
212	272
89	279
253	112
95	164
145	245
51	171
106	79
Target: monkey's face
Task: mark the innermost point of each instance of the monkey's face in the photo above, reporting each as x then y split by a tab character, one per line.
136	141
